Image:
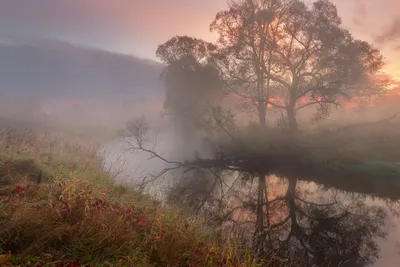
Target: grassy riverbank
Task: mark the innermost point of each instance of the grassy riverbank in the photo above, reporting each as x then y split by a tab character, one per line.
58	207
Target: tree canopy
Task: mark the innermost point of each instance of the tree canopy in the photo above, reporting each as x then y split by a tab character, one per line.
190	78
289	55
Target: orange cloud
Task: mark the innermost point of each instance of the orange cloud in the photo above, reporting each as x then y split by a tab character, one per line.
394	91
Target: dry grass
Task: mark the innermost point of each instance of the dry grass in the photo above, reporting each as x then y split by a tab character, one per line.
59	208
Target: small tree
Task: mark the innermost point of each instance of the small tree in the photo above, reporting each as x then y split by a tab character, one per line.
191	80
191	85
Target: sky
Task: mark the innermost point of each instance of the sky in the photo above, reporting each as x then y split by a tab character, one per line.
137	27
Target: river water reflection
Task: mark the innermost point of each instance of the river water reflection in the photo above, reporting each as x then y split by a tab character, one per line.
306	221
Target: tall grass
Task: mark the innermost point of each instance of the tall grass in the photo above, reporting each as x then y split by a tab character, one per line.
58	207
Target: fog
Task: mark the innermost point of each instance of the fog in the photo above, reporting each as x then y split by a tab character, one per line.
102	118
291	147
103	121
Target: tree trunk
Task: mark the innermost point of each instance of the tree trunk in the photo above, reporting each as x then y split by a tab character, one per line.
262	112
291	193
258	237
291	114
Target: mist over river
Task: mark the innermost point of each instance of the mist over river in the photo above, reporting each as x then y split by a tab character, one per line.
136	167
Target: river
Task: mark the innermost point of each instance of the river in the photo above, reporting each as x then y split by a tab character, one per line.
366	223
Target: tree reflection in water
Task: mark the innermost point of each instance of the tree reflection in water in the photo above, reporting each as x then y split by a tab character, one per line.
332	233
305	225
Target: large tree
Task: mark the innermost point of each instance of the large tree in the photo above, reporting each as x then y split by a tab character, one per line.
288	55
